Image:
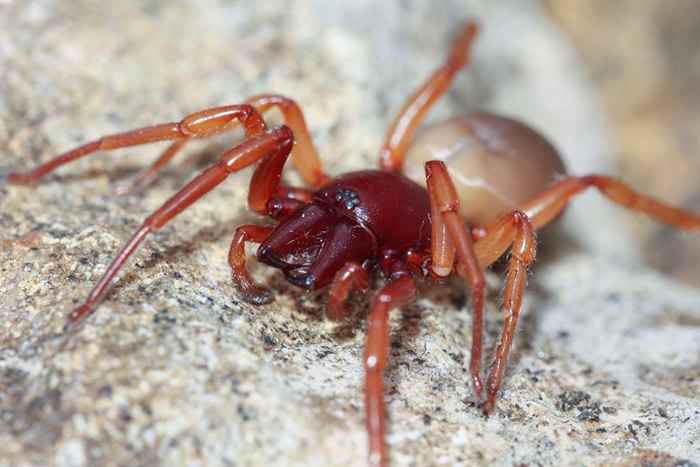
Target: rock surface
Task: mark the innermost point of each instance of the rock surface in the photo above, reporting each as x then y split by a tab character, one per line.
175	370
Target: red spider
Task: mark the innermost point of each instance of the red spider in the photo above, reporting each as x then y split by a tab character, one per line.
379	220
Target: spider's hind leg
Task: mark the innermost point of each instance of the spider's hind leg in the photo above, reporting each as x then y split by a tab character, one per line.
544	207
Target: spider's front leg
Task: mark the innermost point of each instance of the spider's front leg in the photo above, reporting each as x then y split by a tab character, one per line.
350	277
199	124
304	155
271	148
196	125
252	292
399	291
450	237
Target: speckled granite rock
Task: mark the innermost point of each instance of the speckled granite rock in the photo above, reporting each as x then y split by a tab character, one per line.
175	370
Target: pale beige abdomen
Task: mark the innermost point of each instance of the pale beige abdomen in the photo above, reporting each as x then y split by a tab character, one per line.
496	163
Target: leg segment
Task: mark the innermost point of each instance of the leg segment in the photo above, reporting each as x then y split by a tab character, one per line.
350	277
441	245
398	292
513	231
274	144
449	237
298	194
287	201
544	207
147	176
196	125
523	251
252	293
304	156
517	229
415	109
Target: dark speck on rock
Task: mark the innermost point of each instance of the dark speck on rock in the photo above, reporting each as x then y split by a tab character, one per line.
146	408
458	358
59	233
636	427
164	317
246	413
36	405
458	301
105	391
570	399
125	416
268	340
590	413
10	376
613	297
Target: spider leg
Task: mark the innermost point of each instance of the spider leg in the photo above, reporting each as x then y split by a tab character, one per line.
278	203
416	107
304	155
252	293
271	148
545	206
537	212
514	231
450	237
398	292
196	125
350	277
148	175
295	193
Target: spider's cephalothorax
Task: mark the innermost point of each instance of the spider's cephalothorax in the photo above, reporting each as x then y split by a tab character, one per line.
335	233
355	218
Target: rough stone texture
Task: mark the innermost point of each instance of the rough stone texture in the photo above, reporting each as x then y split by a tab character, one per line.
175	370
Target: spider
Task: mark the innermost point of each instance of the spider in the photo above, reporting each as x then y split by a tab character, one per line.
489	183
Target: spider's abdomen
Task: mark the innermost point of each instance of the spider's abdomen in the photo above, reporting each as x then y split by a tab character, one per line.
496	163
395	209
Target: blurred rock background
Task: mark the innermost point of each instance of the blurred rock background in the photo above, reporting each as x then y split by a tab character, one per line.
644	56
